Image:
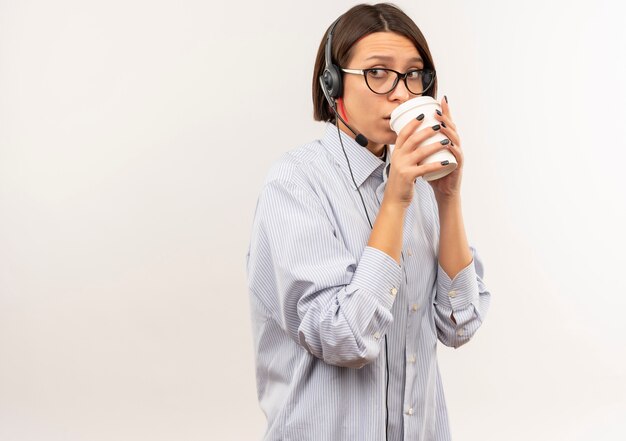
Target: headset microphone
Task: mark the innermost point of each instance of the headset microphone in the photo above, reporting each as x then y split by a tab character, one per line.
362	140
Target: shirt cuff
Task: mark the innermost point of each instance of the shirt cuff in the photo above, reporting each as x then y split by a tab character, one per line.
459	293
379	274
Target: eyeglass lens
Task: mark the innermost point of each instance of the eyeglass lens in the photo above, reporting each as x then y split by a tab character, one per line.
383	81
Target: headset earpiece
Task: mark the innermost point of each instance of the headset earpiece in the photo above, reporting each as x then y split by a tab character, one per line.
332	80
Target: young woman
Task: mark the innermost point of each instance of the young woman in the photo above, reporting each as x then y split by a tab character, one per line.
357	266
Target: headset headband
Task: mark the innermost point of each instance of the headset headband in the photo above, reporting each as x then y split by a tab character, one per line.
329	43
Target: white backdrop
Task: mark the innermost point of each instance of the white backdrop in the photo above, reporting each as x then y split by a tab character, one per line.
134	138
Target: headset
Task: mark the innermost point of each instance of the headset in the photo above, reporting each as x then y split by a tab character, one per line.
332	84
332	87
332	73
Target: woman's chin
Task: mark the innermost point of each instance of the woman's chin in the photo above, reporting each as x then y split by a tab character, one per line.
385	138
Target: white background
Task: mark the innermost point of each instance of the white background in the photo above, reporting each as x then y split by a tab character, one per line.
134	138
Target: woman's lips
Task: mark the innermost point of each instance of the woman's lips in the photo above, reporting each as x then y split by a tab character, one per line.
387	120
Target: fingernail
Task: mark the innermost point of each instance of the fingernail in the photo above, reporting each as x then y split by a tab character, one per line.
446	98
443	124
435	128
446	162
445	142
438	112
421	117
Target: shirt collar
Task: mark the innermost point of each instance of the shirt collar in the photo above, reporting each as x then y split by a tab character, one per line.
362	161
387	164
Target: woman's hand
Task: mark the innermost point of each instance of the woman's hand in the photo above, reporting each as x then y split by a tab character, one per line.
405	159
449	186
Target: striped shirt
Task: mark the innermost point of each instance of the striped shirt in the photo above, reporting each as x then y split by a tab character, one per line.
331	315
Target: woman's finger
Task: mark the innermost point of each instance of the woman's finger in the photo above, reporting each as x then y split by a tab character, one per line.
445	107
445	119
451	134
407	131
419	154
421	170
457	152
420	136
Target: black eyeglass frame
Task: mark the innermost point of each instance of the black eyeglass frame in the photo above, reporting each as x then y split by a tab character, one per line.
399	76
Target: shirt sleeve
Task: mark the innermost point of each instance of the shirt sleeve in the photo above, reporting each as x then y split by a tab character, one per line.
335	305
466	298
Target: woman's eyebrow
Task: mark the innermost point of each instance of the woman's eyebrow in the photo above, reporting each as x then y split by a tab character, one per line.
387	58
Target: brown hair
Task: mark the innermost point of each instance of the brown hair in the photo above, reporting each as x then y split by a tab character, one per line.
356	23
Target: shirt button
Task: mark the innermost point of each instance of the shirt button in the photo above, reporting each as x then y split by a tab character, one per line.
412	359
394	291
459	332
452	294
409	252
410	411
377	335
415	306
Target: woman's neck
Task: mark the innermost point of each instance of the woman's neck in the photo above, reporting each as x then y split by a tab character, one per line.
383	155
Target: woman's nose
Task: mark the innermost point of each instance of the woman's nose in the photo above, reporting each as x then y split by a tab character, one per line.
400	93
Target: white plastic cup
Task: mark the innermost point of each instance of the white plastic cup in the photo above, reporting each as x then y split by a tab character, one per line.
411	109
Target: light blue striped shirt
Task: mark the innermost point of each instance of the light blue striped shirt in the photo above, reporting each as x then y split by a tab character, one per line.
322	302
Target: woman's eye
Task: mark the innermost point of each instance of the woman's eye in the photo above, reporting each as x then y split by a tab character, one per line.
377	73
413	74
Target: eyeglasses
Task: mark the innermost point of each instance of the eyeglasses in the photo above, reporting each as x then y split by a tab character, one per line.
382	81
